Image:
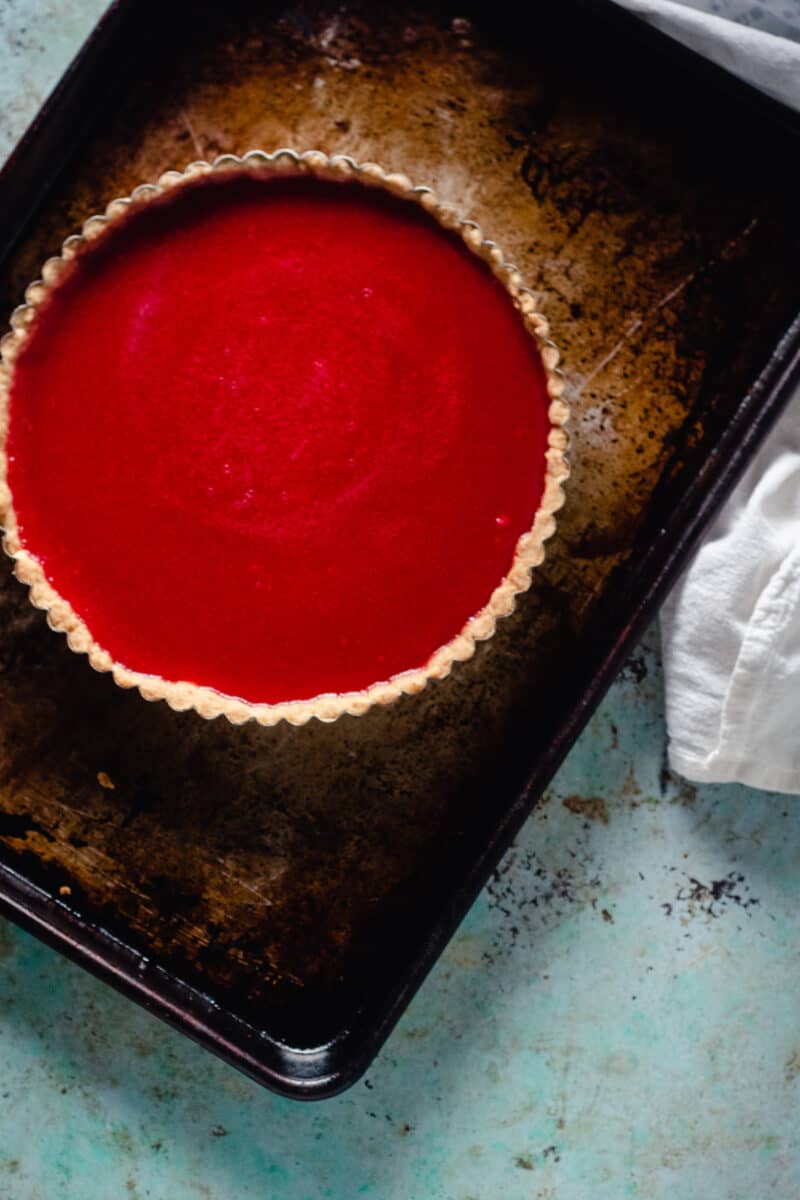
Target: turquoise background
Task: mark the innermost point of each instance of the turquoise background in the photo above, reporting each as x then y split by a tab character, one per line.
617	1016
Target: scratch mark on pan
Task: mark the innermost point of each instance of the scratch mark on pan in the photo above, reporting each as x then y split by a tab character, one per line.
666	299
198	148
247	887
633	329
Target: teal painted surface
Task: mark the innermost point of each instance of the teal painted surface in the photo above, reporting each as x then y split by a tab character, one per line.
38	38
617	1016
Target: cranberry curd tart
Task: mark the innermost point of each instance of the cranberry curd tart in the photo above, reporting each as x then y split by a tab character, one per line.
281	437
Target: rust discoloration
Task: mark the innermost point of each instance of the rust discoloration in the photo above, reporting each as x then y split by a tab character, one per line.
593	808
274	861
630	787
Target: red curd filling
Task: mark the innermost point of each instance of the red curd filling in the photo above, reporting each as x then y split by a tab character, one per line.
277	437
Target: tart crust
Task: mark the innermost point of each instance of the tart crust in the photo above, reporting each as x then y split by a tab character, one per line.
327	707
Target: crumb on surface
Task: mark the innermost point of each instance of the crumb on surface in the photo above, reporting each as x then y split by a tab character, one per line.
104	781
65	890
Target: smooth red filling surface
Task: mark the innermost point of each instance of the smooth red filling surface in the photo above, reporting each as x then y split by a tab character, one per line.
277	437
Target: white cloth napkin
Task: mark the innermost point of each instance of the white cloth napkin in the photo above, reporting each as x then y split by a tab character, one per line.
759	42
730	629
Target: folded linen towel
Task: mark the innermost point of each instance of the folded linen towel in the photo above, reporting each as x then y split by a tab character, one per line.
731	627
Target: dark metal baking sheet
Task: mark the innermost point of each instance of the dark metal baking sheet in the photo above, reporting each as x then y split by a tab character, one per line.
279	894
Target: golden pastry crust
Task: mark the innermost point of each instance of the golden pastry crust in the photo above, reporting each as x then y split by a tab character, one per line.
530	546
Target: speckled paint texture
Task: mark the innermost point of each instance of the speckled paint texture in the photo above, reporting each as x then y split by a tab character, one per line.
37	42
615	1018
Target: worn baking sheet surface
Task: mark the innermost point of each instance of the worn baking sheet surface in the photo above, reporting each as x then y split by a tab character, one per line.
276	867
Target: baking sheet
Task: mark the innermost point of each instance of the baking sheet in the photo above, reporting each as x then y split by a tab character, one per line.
279	892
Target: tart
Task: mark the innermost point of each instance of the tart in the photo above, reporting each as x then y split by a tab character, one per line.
281	437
